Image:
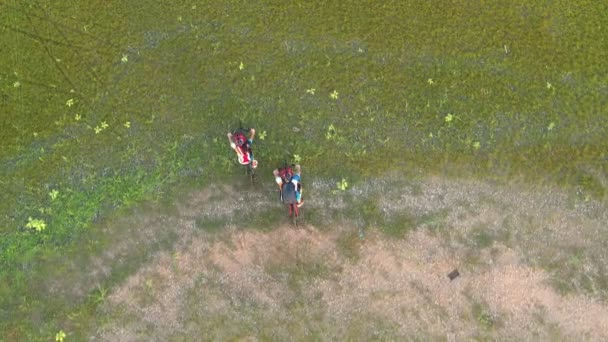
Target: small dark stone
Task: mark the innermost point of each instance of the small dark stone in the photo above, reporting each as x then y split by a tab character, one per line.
452	275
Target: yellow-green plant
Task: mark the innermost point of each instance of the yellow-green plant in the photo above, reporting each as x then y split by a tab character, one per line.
53	194
342	185
60	336
331	132
103	125
36	224
100	295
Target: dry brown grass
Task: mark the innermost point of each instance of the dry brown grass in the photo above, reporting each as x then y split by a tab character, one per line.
293	284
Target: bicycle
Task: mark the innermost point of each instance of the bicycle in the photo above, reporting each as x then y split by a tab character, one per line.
294	213
250	171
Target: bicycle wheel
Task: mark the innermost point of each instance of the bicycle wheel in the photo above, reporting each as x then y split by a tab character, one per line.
250	172
296	212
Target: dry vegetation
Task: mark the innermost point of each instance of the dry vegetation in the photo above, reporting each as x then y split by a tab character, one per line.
530	264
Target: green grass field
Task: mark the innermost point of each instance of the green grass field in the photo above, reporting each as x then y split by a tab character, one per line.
110	107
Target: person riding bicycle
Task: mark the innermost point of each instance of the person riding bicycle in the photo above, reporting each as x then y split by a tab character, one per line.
241	144
288	179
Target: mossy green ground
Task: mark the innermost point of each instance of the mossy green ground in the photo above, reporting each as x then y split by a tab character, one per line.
111	104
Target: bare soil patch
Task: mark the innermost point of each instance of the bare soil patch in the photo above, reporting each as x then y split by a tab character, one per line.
401	282
298	283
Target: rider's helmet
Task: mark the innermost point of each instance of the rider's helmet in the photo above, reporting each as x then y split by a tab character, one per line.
239	138
286	173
